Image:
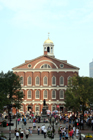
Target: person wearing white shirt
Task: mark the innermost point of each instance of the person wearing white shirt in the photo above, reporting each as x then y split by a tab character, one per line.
17	135
77	132
45	131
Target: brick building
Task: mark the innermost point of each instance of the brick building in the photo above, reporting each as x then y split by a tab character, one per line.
44	77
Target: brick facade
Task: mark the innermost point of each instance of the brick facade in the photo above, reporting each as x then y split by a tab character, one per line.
36	70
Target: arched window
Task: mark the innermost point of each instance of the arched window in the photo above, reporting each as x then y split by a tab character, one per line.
53	94
45	66
68	80
21	80
51	49
45	80
61	81
29	80
48	49
29	94
45	94
37	94
37	80
53	80
61	94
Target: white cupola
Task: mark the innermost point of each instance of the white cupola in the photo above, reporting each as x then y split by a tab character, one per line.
48	47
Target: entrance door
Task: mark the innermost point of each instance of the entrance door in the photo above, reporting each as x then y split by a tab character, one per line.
61	109
29	108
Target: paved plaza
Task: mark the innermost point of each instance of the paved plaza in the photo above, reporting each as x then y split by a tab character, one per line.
34	136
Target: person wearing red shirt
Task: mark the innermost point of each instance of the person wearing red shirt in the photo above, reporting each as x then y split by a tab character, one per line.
71	133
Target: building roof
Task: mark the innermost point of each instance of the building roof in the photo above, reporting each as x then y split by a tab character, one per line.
47	57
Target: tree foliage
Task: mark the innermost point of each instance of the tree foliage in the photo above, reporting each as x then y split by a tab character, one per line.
79	92
10	89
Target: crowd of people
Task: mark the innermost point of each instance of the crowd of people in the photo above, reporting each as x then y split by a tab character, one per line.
71	123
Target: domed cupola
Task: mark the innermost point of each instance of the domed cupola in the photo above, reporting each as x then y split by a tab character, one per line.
48	47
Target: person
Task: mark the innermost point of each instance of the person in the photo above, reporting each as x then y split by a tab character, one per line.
21	134
29	119
77	132
60	134
38	130
17	135
34	125
18	120
15	131
31	131
24	121
42	129
45	131
71	133
66	134
63	133
26	133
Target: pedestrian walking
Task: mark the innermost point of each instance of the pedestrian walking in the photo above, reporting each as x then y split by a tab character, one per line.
45	131
27	133
38	130
18	120
24	121
31	131
17	135
77	132
21	134
66	134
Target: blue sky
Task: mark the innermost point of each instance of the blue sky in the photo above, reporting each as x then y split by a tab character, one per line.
24	26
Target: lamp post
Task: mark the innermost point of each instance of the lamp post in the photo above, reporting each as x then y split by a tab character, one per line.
53	120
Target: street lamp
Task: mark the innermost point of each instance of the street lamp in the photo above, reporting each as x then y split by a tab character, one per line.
53	120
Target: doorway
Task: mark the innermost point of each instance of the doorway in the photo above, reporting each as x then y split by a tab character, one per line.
29	108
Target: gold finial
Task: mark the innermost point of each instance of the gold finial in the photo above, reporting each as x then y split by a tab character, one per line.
48	35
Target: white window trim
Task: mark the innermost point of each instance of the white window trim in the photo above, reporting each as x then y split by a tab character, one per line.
47	81
21	110
61	67
39	81
67	79
55	94
60	93
52	107
35	109
55	81
23	80
43	95
35	94
27	95
44	65
63	81
27	81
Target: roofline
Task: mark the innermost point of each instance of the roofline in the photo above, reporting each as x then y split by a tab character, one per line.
62	61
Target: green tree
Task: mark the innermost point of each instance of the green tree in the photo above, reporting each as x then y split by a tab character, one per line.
10	88
79	92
